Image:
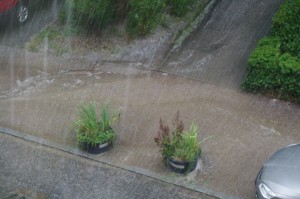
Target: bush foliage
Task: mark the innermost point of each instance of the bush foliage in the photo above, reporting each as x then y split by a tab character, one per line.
176	143
94	14
179	7
92	129
286	26
144	16
274	66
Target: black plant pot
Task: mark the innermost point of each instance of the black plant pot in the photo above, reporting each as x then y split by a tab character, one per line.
181	166
95	149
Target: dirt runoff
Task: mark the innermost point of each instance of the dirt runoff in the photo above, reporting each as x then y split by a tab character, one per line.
40	94
246	129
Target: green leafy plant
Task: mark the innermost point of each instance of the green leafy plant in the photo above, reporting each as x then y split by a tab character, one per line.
180	7
286	26
92	130
272	72
178	144
188	148
144	16
274	66
92	14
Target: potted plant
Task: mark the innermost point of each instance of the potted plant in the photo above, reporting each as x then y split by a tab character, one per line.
180	148
95	135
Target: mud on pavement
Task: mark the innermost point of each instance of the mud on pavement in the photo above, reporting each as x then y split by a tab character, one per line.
246	128
42	100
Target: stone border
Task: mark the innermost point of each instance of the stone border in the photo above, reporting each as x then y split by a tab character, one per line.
140	171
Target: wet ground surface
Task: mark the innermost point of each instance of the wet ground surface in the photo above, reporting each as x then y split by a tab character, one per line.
38	172
39	95
246	129
217	52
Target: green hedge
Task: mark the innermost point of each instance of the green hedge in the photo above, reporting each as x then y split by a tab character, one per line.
274	66
144	16
286	26
270	71
180	7
91	14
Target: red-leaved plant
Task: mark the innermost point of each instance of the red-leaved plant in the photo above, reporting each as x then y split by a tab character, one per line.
166	140
178	144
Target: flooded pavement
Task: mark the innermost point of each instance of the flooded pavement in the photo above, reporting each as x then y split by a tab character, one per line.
217	52
246	128
40	94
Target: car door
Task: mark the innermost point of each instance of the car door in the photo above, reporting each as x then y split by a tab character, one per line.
6	5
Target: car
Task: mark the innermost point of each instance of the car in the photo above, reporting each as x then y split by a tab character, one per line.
18	11
279	178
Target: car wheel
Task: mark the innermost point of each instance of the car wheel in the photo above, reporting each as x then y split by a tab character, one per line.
22	13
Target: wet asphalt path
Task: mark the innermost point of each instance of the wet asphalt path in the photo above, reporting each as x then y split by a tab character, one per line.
43	14
29	169
217	52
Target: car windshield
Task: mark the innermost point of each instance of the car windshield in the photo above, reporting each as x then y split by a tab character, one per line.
145	98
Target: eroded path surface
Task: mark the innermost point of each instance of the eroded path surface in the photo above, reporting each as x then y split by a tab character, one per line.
218	51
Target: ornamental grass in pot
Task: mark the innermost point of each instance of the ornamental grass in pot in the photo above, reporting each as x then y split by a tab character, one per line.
180	149
94	133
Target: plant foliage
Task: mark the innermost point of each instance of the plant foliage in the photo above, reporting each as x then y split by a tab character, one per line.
92	130
144	16
180	7
178	144
274	66
286	26
188	147
93	14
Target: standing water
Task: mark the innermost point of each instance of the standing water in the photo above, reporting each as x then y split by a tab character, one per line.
41	92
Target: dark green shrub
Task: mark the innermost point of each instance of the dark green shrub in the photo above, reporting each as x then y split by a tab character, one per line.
180	7
274	66
93	14
272	72
286	26
122	8
266	54
62	16
144	16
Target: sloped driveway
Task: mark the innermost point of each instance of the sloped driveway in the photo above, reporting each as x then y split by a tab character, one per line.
218	50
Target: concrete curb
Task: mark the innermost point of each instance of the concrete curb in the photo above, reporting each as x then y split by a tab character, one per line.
140	171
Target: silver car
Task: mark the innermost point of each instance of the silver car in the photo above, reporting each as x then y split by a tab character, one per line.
279	178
